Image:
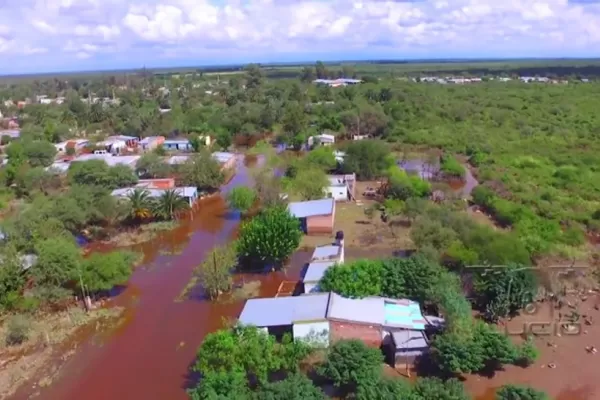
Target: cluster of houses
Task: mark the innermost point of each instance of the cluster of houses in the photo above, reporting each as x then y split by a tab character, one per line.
337	82
396	326
464	80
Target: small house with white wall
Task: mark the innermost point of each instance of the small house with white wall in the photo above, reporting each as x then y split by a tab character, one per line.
341	187
322	139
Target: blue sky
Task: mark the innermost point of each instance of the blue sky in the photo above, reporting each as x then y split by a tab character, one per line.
71	35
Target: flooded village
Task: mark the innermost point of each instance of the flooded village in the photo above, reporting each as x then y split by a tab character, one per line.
148	352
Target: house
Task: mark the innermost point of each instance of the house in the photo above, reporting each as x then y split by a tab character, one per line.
227	160
177	145
322	139
323	258
341	187
151	142
189	193
337	82
316	216
324	318
76	144
13	133
130	141
111	160
158	183
305	317
113	145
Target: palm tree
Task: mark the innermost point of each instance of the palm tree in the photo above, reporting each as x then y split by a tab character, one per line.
140	204
168	204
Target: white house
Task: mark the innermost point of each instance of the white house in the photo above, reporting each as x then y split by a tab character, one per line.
323	139
341	187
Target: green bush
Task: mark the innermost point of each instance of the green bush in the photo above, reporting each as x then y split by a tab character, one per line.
18	329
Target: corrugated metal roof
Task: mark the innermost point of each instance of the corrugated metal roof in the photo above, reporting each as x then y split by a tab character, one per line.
280	311
222	156
303	209
410	343
369	310
315	271
326	253
404	314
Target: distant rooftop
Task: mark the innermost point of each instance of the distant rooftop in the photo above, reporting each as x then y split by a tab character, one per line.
222	156
303	209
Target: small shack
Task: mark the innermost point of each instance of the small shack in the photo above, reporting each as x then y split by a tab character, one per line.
323	258
341	187
316	216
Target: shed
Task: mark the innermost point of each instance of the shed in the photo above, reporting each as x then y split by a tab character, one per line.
314	273
405	346
341	187
316	216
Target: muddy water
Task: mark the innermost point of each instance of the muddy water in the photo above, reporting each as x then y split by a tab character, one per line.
428	171
147	357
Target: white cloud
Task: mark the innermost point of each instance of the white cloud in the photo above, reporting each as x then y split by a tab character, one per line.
219	31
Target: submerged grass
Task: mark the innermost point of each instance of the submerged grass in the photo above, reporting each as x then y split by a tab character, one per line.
144	233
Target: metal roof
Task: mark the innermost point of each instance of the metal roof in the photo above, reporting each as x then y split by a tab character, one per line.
222	156
316	270
303	209
178	160
409	342
280	311
404	314
186	191
326	253
369	310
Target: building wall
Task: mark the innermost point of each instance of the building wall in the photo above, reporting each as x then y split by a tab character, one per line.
319	224
371	335
315	333
338	193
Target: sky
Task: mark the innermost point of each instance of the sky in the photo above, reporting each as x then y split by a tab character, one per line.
74	35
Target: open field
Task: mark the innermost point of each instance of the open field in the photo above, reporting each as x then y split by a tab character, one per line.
587	67
363	233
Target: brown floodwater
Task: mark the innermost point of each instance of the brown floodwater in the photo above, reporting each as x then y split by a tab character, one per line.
149	354
427	171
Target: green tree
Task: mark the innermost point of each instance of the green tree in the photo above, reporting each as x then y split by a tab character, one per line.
369	159
102	272
414	278
322	157
168	204
357	279
270	237
351	364
202	171
309	183
215	271
150	165
220	385
242	198
39	153
434	388
12	278
59	260
293	387
140	204
517	392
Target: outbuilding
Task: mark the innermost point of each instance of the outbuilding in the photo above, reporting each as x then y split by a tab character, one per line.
316	216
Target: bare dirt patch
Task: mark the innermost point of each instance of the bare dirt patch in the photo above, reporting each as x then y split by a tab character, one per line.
363	232
40	357
568	366
144	233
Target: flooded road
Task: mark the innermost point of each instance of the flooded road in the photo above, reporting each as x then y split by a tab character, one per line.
147	357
